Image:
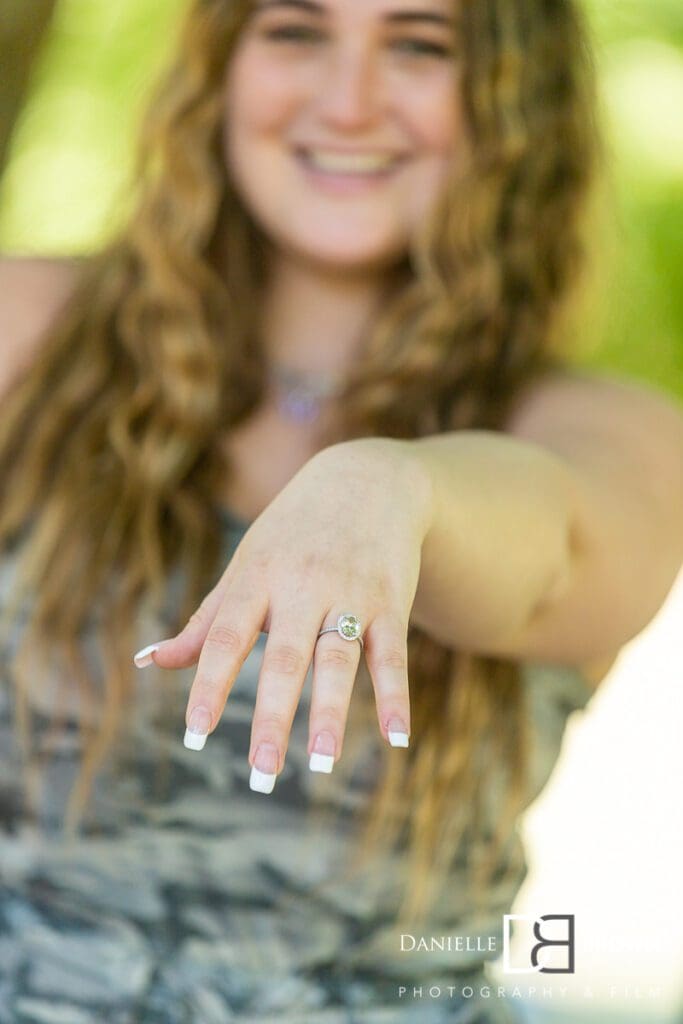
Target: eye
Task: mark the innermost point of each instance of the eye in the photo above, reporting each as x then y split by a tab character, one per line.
292	34
423	48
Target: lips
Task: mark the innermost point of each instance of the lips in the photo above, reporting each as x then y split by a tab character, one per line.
348	164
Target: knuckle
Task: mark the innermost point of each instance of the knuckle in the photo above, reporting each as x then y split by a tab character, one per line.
208	688
392	657
334	655
198	618
332	716
309	565
272	723
284	659
259	563
224	638
381	590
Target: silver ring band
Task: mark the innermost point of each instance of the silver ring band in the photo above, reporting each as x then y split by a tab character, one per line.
348	626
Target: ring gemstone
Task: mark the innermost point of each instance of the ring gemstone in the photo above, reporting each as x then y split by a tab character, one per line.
348	626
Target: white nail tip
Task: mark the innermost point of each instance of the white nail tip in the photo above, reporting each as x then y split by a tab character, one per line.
144	657
398	739
261	782
194	740
321	763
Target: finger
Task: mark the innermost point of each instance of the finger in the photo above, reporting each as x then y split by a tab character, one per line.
386	654
335	665
230	638
183	649
286	659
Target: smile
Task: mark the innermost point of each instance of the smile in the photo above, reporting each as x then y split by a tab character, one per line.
347	169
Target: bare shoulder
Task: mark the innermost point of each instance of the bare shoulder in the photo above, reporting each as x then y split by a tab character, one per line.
619	430
615	428
582	400
32	292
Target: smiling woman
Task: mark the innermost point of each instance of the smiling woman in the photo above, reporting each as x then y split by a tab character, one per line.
351	100
385	194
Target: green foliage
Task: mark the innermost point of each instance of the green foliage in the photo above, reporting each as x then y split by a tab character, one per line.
71	156
639	46
65	186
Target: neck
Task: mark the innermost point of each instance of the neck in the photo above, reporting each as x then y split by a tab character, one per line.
314	319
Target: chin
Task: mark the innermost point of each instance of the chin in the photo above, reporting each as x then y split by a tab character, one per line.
351	259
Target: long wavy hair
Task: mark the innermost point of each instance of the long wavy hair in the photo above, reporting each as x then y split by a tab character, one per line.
109	445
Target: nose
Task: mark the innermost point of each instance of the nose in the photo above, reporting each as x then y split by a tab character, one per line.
349	95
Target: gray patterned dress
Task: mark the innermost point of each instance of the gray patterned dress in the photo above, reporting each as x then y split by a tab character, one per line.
203	902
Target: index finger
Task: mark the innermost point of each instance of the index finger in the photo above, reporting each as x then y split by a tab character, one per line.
231	636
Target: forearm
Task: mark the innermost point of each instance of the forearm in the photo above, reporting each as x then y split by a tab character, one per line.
499	541
529	557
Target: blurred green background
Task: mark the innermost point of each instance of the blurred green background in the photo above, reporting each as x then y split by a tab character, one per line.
69	159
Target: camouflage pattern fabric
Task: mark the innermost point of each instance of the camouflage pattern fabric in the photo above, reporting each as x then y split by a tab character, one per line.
198	900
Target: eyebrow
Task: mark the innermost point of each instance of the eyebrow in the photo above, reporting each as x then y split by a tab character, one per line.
393	17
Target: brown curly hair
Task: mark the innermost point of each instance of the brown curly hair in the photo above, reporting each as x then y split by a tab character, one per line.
109	450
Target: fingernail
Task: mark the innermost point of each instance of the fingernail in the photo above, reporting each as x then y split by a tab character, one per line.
144	657
322	758
397	732
198	729
264	769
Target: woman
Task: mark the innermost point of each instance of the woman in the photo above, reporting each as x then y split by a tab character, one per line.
311	406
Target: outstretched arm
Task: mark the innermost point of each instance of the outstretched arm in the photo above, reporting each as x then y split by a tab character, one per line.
557	541
560	539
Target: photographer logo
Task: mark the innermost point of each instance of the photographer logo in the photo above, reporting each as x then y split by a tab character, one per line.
555	942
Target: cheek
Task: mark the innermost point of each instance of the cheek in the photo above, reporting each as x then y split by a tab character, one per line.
436	112
260	96
437	117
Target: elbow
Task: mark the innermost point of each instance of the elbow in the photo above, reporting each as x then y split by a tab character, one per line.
635	582
663	543
614	584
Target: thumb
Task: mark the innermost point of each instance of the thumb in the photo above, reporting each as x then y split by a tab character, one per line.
183	649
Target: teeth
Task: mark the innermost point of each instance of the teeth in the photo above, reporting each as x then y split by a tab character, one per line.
349	163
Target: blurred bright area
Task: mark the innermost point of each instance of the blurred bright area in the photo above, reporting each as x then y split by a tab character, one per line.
605	843
639	46
72	150
65	188
606	837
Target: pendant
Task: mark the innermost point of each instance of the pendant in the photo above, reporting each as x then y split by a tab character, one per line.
298	405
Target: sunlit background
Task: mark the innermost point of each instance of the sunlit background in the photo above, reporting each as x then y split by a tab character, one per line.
606	837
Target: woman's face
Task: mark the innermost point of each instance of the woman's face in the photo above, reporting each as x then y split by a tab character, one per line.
343	120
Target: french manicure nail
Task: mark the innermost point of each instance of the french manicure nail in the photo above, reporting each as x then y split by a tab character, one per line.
198	729
261	782
264	769
322	758
144	657
397	733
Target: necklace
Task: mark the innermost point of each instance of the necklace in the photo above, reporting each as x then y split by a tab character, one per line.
300	395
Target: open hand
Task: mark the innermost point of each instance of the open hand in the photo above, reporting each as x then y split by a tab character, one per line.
343	536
